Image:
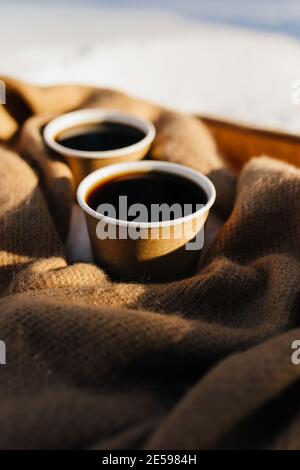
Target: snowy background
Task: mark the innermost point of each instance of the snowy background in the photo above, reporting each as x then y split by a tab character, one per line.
228	58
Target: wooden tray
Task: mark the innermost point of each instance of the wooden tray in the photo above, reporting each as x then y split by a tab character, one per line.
239	142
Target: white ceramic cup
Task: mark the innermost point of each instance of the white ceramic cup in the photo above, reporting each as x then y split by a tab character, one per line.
83	162
152	257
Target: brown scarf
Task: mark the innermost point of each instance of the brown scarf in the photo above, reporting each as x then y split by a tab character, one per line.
200	363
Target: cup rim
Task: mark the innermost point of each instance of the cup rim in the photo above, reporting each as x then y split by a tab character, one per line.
92	115
199	178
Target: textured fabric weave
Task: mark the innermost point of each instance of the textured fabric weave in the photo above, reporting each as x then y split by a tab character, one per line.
200	363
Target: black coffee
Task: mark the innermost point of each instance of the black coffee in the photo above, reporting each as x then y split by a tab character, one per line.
150	189
98	137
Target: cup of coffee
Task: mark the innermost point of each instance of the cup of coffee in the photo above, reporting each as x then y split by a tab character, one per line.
89	139
146	219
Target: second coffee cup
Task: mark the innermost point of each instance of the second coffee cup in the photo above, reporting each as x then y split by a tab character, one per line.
89	139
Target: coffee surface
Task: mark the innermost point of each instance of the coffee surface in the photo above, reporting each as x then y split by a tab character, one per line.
100	137
150	189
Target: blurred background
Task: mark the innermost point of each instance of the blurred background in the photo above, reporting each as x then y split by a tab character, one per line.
225	58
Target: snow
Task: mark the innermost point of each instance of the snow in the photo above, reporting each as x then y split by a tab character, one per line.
159	55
